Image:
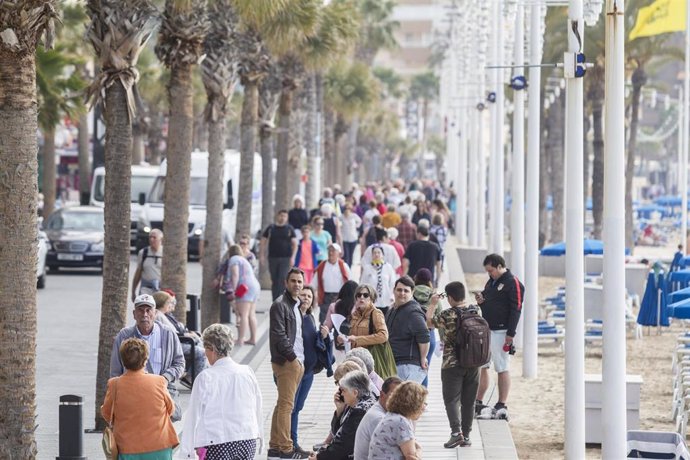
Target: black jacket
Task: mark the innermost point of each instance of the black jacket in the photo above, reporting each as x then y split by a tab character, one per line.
406	329
324	355
344	429
283	329
503	303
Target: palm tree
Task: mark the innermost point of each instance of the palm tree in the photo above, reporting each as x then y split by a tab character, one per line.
377	29
254	63
350	90
58	95
424	86
640	53
219	74
118	31
23	24
180	46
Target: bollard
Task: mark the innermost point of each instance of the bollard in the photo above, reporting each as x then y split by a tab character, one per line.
225	315
71	428
194	312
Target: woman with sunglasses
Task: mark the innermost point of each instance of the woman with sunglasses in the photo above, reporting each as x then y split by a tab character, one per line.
368	325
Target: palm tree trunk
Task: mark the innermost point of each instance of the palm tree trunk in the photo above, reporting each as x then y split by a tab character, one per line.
329	153
555	146
137	143
49	172
118	158
312	140
250	120
267	207
19	166
639	78
282	199
84	159
180	134
597	168
210	313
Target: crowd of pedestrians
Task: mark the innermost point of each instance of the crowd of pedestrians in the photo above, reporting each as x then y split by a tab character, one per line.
373	327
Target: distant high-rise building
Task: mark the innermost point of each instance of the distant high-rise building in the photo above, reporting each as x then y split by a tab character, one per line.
420	21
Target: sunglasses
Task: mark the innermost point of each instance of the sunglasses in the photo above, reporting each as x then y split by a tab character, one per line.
362	295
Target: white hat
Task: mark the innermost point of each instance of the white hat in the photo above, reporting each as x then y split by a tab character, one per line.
145	299
335	246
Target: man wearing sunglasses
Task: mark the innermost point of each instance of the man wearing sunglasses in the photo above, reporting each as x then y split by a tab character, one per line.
408	334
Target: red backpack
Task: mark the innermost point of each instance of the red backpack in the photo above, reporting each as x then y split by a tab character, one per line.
472	336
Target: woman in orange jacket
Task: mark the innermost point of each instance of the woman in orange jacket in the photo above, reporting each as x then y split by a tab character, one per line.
139	407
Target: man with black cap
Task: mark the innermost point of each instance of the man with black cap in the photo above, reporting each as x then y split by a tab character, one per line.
165	351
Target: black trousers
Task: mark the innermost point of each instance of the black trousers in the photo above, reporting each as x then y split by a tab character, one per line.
459	387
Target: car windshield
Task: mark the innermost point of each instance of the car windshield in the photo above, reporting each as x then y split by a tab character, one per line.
140	184
72	220
197	191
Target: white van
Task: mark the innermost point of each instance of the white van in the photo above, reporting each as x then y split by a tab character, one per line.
143	177
151	215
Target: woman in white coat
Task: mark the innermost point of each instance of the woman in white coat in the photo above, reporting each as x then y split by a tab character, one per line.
224	418
381	275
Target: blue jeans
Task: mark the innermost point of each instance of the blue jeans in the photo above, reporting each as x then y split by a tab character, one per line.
300	398
349	251
432	347
413	372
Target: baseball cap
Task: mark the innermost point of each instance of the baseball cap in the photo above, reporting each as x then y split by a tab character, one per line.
335	246
145	299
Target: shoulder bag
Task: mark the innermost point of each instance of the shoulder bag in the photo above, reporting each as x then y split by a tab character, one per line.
108	441
384	361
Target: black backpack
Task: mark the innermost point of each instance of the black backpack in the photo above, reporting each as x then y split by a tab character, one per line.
472	336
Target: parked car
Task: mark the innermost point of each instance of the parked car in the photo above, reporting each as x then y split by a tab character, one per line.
41	263
76	237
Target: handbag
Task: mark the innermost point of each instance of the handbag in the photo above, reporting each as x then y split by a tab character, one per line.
241	290
384	361
108	442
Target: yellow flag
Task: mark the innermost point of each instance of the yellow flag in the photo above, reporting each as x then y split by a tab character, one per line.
660	17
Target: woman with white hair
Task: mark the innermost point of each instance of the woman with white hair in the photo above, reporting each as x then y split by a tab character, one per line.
298	216
354	392
224	417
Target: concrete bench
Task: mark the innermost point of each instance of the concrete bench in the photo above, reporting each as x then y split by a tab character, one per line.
497	440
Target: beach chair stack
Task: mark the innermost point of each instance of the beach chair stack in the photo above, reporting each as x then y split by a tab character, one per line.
549	332
553	312
681	383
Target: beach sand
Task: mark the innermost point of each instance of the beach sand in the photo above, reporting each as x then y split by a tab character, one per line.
536	406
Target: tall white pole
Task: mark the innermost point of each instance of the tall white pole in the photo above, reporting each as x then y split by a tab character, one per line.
517	213
497	217
531	305
686	132
681	133
574	258
472	173
461	184
481	208
614	408
493	85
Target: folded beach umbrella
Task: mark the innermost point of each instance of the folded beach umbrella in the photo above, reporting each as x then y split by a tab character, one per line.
654	301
